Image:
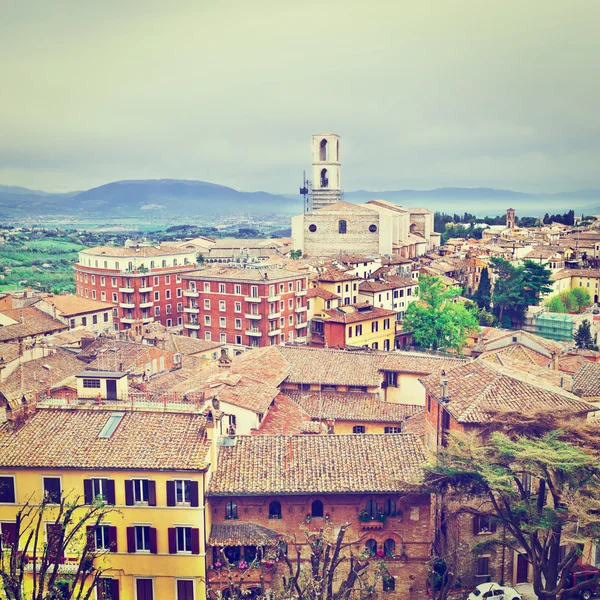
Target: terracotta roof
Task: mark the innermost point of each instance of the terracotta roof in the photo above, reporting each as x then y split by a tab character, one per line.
69	438
352	314
144	251
586	381
305	464
70	337
39	374
349	259
386	204
285	417
334	274
479	388
35	323
9	351
571	363
327	366
396	260
517	355
70	305
240	534
419	363
493	337
352	406
389	282
317	292
576	273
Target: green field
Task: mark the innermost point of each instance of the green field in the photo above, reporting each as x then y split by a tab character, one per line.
44	264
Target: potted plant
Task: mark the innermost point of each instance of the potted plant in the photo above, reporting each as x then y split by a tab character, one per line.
327	517
308	517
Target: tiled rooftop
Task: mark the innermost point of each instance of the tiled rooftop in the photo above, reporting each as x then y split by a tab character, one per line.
70	304
478	389
68	438
351	314
29	322
143	251
419	363
586	381
240	534
307	464
389	282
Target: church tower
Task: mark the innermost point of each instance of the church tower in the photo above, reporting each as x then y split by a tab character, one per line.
510	218
326	187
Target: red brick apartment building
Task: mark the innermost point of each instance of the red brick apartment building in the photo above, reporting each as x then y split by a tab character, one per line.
142	282
246	306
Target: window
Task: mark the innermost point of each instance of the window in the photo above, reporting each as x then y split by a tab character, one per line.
386	345
184	539
113	281
371	547
238	339
168	309
179	292
99	488
93	294
157	311
142	538
374	326
375	345
169	322
389	507
221	288
144	588
102	537
358	330
389	547
115	297
207	286
281	288
107	589
103	281
52	489
183	491
358	429
222	306
223	338
84	320
156	278
140	491
95	319
312	228
237	289
389	583
238	323
222	322
167	294
386	323
391	378
316	509
238	307
482	524
275	510
93	276
103	296
167	279
73	323
392	429
483	566
179	307
372	228
231	510
207	320
7	489
290	286
207	303
207	336
91	383
185	589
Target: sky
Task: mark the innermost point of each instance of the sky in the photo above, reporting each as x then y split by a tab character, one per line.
424	93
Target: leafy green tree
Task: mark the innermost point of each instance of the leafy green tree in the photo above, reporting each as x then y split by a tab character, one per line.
555	304
583	337
483	294
582	296
537	281
296	254
539	481
569	300
436	319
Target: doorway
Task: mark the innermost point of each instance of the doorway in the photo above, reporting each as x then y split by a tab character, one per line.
111	389
522	568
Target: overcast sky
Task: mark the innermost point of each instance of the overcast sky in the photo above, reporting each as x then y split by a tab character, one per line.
424	93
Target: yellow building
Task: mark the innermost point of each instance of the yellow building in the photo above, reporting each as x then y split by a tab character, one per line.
147	466
357	325
569	279
343	284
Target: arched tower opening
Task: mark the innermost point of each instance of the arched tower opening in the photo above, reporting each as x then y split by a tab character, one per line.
323	150
324	178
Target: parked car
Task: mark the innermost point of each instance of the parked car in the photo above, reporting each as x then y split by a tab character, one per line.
581	573
494	591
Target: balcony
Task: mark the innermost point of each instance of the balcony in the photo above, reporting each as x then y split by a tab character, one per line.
126	290
274	315
300	293
145	290
254	332
273	298
273	332
194	310
146	320
301	325
146	304
129	320
127	304
253	316
301	340
252	298
219	579
191	293
192	325
300	309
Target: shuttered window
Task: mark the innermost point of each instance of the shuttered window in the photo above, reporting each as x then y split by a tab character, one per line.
144	589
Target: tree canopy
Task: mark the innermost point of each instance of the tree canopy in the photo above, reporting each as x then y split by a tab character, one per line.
538	478
436	320
583	337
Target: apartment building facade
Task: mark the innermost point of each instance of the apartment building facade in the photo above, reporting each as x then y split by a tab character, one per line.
245	307
143	283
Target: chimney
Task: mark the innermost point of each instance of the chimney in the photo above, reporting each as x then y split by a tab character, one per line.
444	386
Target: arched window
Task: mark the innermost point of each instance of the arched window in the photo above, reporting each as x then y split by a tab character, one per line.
174	262
389	547
130	266
185	261
371	547
324	179
152	264
95	263
342	226
316	509
372	508
106	264
164	263
323	150
231	510
275	510
389	507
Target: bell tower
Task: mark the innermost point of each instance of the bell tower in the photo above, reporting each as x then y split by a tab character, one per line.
510	218
326	187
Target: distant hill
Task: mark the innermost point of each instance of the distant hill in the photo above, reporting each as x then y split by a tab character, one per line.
196	198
